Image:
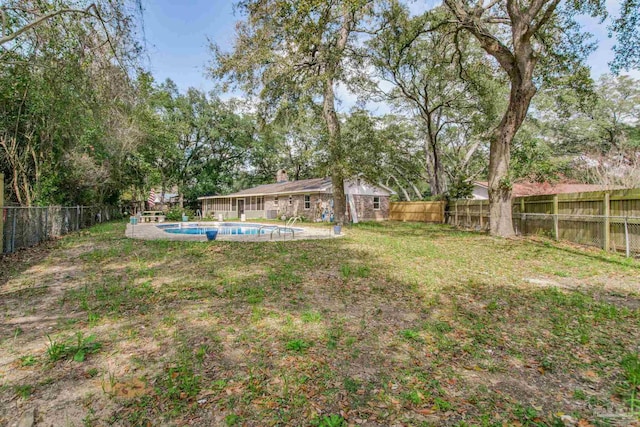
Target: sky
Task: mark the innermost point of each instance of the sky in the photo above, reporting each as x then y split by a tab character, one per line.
177	34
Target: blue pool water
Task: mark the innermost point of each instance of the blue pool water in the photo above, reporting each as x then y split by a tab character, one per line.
224	228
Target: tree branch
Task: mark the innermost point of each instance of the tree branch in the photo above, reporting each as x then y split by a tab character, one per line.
40	20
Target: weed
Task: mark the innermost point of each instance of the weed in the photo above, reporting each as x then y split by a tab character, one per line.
201	352
414	396
441	404
28	360
631	369
93	319
547	364
333	420
351	385
24	391
579	394
297	345
180	384
311	317
92	372
232	420
411	335
76	350
345	271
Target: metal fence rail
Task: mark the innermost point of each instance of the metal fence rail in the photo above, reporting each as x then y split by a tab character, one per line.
28	226
613	233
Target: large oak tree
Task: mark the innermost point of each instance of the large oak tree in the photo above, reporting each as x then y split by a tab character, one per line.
532	41
289	51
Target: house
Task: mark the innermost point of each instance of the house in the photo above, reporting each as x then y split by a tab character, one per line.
309	198
524	189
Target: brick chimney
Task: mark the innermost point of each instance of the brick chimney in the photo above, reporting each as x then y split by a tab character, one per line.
281	176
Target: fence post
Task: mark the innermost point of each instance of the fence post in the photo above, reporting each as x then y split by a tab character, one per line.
481	220
1	212
468	214
14	225
456	205
77	218
46	223
626	237
556	232
607	222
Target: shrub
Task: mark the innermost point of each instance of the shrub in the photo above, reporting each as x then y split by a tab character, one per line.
175	214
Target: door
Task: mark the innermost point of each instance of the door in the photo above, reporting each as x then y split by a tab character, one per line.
240	207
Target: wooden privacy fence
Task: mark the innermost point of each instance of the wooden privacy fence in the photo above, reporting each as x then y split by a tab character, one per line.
607	219
417	211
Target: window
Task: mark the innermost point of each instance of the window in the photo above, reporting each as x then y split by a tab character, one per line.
260	203
376	203
307	202
290	200
275	201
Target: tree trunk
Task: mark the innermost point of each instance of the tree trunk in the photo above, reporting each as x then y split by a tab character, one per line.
435	170
163	187
335	152
404	192
438	171
500	187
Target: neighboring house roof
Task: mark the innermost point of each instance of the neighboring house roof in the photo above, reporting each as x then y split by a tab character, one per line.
306	186
523	189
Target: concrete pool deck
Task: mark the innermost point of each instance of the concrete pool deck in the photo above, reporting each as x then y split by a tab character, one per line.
150	231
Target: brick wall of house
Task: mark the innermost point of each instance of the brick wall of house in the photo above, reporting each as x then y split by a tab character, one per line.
366	212
296	207
320	202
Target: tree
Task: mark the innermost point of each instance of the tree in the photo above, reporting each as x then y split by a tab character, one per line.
295	142
56	84
598	141
290	51
385	150
533	41
429	75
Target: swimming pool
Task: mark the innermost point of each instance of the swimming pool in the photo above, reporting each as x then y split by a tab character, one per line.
225	228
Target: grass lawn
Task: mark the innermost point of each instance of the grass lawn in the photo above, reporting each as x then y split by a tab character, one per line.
393	325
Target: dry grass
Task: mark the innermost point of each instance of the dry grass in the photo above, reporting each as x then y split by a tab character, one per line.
396	324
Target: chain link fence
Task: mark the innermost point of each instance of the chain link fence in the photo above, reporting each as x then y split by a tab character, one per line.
28	226
614	233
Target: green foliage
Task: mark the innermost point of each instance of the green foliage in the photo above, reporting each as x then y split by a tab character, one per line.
461	187
66	103
332	420
311	317
24	391
28	360
175	214
297	345
447	84
76	350
232	420
631	387
411	335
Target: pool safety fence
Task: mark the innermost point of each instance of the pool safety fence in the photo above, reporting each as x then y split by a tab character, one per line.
28	226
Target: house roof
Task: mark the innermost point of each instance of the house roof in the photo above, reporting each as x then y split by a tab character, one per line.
523	189
314	185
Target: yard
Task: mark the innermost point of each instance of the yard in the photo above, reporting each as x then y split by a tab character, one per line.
395	324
